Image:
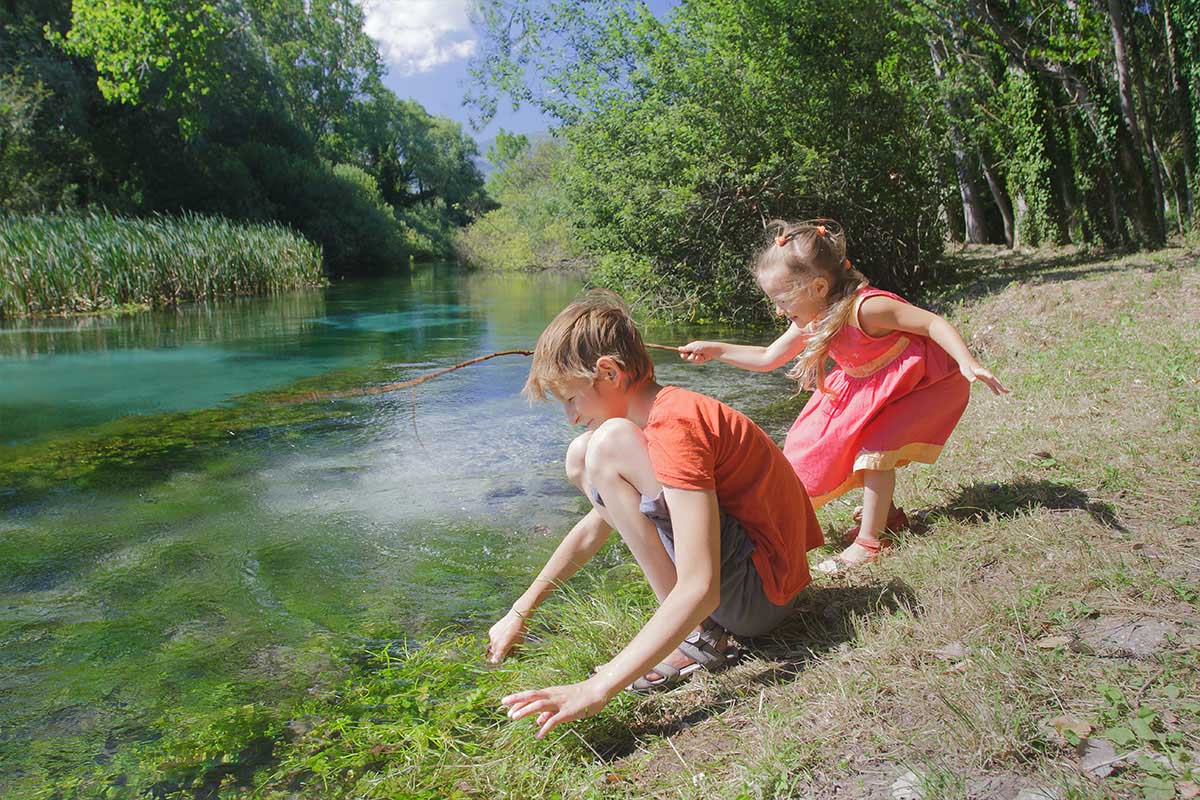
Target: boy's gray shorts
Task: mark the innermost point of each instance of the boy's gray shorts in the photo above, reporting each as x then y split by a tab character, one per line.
744	609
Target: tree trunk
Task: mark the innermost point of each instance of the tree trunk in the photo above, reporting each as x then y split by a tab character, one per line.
1160	195
1072	222
1000	196
974	213
973	210
1181	102
1117	235
1145	218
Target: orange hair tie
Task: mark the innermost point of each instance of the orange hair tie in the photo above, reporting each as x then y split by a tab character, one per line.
781	240
847	263
820	230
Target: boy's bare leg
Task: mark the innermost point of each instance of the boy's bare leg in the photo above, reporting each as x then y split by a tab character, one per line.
617	465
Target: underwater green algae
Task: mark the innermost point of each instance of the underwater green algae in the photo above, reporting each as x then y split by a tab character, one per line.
186	616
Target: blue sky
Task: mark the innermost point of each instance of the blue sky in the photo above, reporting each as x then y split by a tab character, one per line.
426	46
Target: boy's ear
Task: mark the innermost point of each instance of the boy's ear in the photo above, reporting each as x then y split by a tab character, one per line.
607	369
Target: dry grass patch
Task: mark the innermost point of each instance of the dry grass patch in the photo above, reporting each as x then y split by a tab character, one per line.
1047	605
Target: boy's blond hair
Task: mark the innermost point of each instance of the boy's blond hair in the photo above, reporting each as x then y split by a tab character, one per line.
597	324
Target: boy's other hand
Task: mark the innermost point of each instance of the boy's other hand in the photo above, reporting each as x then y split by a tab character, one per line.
502	636
558	704
699	352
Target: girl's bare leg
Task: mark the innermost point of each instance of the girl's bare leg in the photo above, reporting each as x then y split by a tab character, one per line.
878	487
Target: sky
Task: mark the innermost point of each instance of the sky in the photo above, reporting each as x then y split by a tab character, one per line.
426	46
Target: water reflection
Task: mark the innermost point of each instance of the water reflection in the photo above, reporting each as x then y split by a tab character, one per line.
58	375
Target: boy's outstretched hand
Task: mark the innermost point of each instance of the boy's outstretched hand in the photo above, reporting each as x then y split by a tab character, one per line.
557	704
502	636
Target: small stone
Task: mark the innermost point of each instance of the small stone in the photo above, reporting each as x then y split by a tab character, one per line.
995	787
300	727
1187	790
1098	757
1052	642
1132	638
951	652
1038	793
908	787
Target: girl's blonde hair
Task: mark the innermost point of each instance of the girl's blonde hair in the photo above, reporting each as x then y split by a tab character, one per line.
805	251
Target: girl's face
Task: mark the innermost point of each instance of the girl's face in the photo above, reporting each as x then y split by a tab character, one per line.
800	302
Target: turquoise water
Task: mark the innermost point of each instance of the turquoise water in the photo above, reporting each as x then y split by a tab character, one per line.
174	536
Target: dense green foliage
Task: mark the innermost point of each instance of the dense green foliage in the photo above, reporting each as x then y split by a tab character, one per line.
1022	122
532	227
248	109
82	264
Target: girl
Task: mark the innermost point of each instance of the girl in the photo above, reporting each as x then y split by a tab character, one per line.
901	378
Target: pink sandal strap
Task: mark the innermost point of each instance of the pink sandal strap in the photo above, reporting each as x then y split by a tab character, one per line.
871	547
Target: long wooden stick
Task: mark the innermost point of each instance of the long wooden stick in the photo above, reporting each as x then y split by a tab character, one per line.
312	397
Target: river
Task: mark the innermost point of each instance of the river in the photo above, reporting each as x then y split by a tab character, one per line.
176	531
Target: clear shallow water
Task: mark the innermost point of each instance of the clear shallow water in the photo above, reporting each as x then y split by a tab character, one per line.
194	542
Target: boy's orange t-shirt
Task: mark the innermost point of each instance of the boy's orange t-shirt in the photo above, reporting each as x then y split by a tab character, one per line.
696	442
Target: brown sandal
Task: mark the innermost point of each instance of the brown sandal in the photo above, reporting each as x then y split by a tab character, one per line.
701	648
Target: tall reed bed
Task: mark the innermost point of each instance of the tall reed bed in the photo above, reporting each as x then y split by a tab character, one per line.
72	264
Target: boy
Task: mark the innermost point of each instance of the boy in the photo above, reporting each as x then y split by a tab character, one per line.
708	505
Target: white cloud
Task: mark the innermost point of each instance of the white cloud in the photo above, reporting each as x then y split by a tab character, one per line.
418	35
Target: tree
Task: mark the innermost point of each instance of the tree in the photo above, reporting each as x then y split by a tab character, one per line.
688	135
174	46
323	61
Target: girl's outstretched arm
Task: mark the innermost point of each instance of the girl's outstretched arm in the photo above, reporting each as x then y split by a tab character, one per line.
748	356
879	316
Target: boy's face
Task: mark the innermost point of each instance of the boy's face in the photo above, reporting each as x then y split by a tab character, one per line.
590	403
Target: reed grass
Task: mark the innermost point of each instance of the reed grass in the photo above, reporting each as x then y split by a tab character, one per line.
80	264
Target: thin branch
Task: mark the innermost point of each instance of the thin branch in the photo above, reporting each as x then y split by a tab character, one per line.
313	397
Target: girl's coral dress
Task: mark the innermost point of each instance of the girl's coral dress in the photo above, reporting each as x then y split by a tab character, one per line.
889	400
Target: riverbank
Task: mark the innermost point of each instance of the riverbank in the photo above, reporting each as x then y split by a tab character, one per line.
1043	619
61	265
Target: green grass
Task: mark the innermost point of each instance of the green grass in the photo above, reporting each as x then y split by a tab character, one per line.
960	657
68	264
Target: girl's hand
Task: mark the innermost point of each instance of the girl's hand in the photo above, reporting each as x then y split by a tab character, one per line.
502	636
699	352
557	704
974	371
